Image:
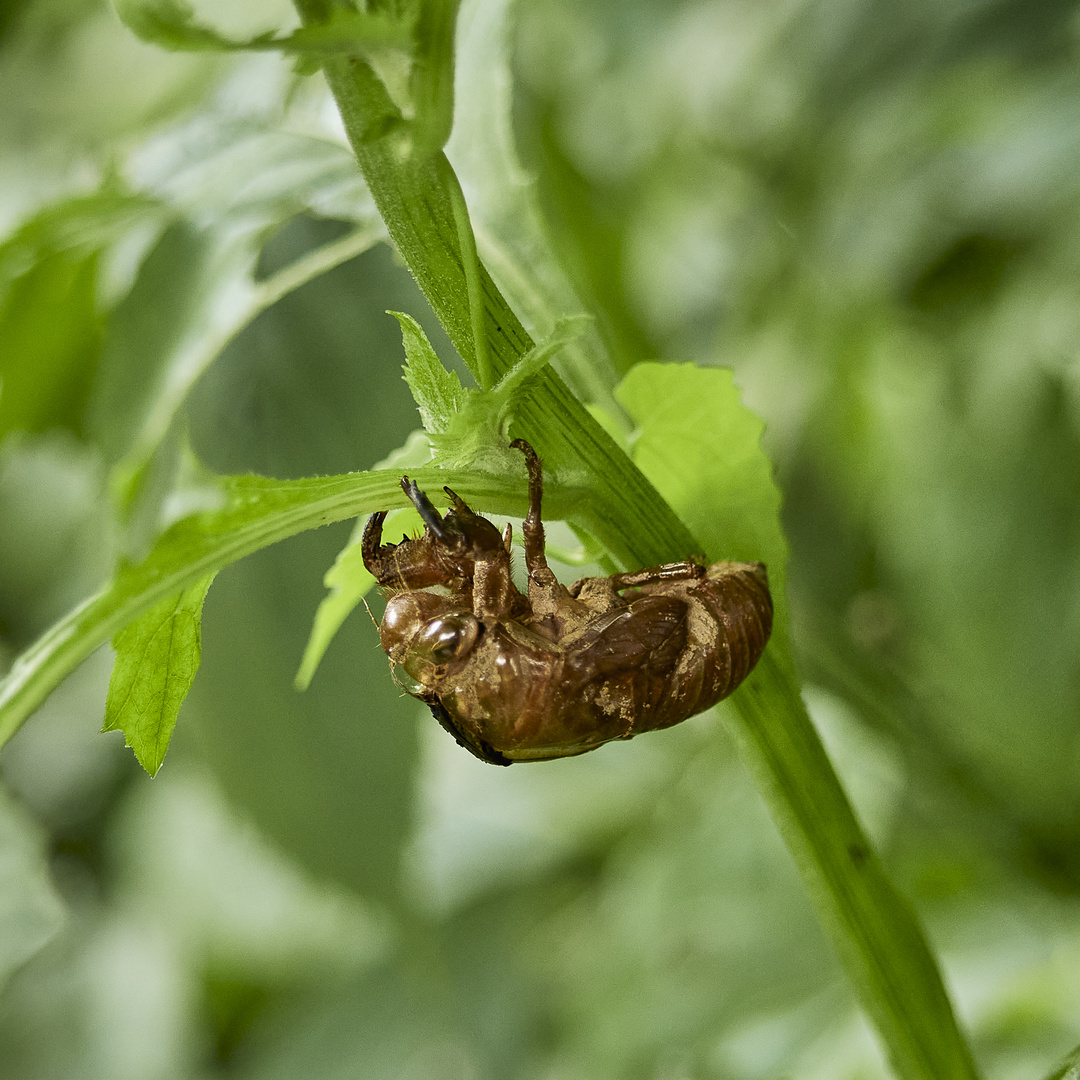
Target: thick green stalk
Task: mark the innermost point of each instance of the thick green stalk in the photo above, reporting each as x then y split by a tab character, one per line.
875	932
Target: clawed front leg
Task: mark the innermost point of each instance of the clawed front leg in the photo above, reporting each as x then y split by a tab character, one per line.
408	565
371	545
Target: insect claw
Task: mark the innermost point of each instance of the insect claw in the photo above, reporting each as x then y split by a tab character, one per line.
424	507
372	545
460	506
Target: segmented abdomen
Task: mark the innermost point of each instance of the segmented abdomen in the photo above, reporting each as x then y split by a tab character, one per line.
729	620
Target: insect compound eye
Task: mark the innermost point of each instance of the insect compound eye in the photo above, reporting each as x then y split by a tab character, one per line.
405	617
440	640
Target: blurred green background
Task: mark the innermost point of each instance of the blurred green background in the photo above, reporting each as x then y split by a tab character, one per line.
871	212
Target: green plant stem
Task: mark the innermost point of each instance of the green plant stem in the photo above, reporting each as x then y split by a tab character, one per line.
471	267
873	928
876	934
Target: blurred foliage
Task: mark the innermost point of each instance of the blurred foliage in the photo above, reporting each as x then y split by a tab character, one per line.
869	211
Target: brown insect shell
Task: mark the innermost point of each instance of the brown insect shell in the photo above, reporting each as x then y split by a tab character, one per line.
529	699
560	671
729	621
407	613
465	540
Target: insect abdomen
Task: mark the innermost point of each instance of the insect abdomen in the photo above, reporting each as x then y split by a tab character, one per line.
728	623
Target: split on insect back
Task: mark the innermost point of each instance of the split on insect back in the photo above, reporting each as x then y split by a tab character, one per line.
557	671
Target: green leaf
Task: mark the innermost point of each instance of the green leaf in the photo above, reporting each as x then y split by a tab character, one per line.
196	289
249	175
565	332
477	433
171	25
702	447
469	426
50	317
49	337
157	657
351	33
438	393
30	910
79	226
349	582
153	332
194	294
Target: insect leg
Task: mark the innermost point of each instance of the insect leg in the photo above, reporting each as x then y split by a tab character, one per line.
372	540
533	527
546	595
602	593
687	570
382	568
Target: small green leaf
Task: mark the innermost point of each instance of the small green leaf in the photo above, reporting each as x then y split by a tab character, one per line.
470	423
438	393
349	582
157	657
49	337
566	331
51	306
346	32
170	24
474	433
